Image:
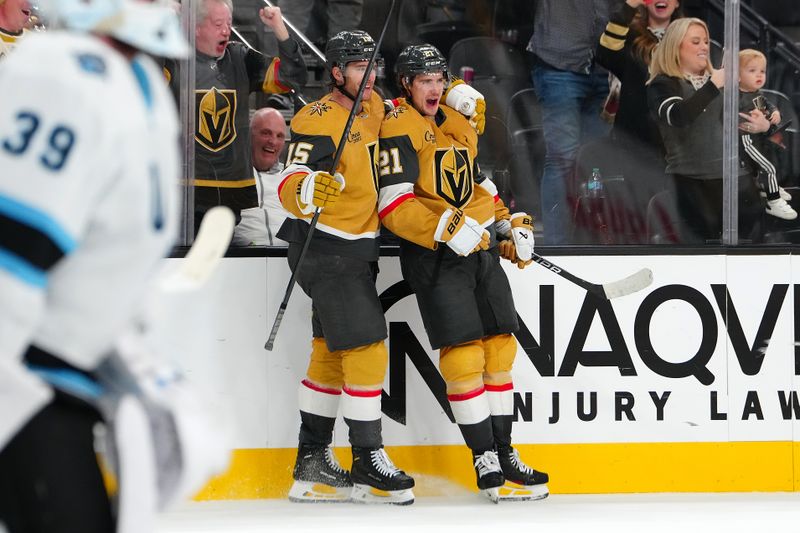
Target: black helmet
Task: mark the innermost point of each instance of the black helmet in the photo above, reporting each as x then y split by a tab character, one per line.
420	59
347	46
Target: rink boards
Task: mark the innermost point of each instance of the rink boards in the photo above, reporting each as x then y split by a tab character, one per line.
688	385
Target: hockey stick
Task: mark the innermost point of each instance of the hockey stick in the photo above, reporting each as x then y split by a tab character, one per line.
337	156
300	34
210	244
623	287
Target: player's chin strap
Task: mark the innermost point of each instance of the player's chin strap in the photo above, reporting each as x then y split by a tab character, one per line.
341	88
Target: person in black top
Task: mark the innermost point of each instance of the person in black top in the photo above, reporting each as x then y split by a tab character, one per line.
685	93
625	49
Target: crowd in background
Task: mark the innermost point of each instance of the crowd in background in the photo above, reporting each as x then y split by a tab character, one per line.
609	166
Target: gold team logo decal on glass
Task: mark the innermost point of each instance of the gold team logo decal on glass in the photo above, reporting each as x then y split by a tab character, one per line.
318	108
216	111
453	175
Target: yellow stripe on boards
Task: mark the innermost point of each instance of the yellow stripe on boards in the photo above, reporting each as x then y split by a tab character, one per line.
573	468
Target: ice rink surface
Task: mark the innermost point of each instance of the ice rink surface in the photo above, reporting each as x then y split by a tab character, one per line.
465	512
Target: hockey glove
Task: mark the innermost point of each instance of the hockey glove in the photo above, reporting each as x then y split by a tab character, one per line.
469	102
509	251
461	233
319	189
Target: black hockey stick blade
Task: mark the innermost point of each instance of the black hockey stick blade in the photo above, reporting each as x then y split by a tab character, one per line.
336	157
623	287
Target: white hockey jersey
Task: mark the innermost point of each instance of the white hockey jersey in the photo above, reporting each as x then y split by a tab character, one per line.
89	167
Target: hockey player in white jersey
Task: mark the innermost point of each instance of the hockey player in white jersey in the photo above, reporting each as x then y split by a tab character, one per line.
89	164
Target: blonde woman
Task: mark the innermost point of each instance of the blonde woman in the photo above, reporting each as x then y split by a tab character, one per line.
685	93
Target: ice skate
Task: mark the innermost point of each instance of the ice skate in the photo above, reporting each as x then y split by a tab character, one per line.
522	481
377	480
489	473
779	208
318	477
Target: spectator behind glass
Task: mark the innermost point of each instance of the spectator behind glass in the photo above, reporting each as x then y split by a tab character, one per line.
571	91
260	224
752	75
685	93
14	15
341	15
225	74
625	49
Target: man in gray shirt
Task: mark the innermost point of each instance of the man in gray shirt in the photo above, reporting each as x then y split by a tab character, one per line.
571	90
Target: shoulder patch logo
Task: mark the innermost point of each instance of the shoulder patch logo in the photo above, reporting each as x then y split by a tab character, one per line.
394	113
453	175
216	111
318	108
430	137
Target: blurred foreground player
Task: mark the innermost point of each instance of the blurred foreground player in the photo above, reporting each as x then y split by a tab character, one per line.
89	158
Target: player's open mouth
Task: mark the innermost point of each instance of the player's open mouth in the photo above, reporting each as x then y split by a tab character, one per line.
26	12
660	6
268	150
431	101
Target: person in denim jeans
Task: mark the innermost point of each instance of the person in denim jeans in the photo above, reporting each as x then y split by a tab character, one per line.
571	90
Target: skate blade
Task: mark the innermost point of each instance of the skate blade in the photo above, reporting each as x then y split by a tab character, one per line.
514	492
493	494
371	495
310	492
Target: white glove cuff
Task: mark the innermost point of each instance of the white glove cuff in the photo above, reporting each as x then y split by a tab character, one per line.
503	227
437	235
463	98
305	198
467	238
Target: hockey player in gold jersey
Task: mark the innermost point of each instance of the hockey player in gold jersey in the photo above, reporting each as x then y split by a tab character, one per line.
448	217
348	355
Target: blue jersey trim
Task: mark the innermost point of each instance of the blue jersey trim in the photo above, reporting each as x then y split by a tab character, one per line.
69	381
144	83
38	220
22	269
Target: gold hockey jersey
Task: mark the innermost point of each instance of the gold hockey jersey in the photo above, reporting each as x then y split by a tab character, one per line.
425	167
350	227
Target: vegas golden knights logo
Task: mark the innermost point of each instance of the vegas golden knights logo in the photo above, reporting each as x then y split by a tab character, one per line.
216	113
453	175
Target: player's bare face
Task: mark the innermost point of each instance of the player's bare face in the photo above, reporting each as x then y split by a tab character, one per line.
268	135
214	32
752	75
14	14
426	91
354	73
694	50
